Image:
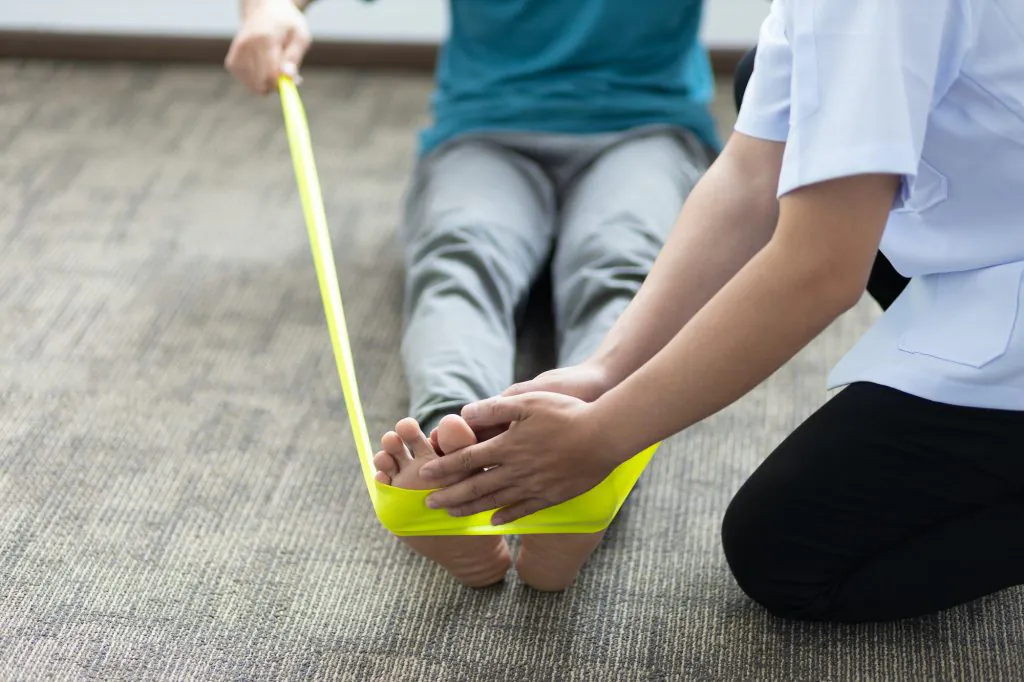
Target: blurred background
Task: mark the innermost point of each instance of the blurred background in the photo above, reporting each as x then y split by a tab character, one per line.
729	24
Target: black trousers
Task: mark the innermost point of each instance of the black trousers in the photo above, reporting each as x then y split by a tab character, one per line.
882	506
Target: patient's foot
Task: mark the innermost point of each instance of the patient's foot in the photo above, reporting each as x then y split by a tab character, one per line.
546	562
550	563
476	561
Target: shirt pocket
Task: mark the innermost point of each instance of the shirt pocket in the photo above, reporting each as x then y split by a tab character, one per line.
805	98
928	189
967	318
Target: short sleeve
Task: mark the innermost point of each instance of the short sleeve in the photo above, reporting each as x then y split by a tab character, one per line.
864	79
764	112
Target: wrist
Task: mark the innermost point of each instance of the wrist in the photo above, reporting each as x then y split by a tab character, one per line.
611	364
607	427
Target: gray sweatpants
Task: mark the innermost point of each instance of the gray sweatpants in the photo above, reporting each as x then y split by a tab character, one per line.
483	216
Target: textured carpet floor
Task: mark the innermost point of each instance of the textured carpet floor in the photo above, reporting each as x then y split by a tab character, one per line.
179	494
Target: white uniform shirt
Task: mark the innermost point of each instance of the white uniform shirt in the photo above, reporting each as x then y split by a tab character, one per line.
932	90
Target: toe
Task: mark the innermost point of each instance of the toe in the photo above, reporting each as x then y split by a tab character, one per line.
453	433
393	457
410	432
385	463
394	446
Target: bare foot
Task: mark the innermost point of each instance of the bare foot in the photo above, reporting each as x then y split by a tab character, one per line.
476	561
549	563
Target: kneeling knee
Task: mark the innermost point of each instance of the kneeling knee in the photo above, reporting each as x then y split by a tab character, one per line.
765	568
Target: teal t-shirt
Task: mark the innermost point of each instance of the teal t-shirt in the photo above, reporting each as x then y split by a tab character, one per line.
571	66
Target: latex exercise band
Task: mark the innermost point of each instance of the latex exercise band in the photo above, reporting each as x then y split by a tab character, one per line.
404	512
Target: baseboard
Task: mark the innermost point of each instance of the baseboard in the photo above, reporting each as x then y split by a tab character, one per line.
174	49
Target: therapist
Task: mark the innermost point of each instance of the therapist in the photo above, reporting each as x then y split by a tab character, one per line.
874	123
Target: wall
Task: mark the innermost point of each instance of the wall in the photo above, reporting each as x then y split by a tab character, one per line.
728	23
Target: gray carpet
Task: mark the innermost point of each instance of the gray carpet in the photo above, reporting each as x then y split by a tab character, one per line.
179	494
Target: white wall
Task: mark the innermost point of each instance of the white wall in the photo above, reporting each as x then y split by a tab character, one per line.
728	23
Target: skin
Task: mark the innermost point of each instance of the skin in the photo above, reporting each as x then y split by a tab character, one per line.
731	299
272	42
549	563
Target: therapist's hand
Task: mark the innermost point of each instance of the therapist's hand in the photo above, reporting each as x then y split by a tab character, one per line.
272	42
587	381
553	451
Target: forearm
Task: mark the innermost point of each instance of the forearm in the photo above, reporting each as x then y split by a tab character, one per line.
814	269
730	215
758	321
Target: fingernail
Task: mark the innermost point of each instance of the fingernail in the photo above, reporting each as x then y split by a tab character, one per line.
469	412
289	69
432	504
497	520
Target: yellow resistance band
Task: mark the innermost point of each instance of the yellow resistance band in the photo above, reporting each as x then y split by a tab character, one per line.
401	511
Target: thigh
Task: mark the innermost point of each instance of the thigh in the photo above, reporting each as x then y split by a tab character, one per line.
870	471
620	210
478	201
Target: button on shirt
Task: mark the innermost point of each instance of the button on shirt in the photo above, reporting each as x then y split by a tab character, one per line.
933	91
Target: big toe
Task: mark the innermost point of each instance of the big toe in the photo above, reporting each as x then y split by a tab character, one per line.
453	433
410	432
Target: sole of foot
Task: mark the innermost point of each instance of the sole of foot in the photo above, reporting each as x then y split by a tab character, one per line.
549	563
475	561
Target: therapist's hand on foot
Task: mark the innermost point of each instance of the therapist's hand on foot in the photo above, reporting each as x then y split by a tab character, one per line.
553	451
272	42
587	381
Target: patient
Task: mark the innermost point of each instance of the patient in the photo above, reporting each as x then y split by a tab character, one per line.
546	562
565	137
